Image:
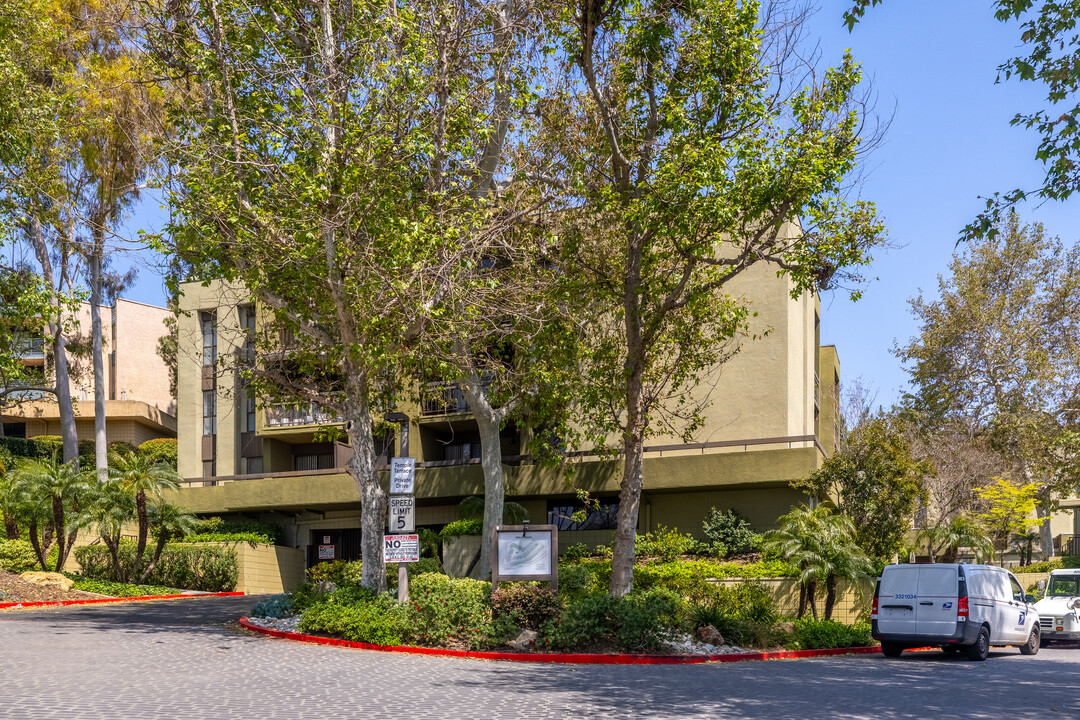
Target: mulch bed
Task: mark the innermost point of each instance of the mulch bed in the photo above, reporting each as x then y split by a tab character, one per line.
14	589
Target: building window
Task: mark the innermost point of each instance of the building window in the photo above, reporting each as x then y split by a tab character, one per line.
320	461
208	322
250	422
601	517
209	468
255	465
247	322
462	451
209	412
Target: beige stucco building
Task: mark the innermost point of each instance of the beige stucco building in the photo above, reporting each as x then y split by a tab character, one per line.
771	419
139	404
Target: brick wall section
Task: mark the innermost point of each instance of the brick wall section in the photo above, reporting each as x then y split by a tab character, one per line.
268	568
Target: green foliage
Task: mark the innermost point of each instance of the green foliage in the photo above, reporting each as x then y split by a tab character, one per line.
16	555
378	620
461	528
332	571
666	544
192	567
160	450
819	634
1070	561
117	589
574	552
1043	567
636	622
526	604
275	606
252	538
878	482
425	565
214	525
575	581
730	530
121	447
1009	509
26	448
444	610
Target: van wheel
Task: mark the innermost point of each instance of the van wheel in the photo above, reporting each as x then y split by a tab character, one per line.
1033	644
891	650
980	649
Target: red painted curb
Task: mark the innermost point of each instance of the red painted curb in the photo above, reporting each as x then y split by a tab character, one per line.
565	658
95	601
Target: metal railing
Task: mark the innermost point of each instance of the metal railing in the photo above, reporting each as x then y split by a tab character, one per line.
443	399
292	414
30	349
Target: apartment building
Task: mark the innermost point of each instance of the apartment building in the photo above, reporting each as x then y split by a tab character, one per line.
139	405
771	420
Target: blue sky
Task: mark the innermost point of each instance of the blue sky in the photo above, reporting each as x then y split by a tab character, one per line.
933	67
934	64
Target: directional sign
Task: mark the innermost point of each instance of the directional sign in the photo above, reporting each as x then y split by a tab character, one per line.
402	473
401	548
402	514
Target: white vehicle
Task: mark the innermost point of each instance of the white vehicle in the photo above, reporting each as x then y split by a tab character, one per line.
1059	617
953	607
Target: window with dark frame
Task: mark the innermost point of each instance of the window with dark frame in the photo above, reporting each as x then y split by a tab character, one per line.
601	517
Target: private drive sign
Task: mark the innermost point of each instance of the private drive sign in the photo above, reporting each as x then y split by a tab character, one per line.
402	474
401	548
402	514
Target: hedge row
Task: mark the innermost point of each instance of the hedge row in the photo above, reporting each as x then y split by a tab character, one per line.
192	567
44	446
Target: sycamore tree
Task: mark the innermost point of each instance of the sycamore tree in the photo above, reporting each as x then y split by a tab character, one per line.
344	161
690	145
1008	511
999	350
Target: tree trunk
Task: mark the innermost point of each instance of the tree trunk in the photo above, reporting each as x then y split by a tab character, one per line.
143	516
830	595
1046	537
811	597
41	544
163	538
489	421
622	557
101	462
113	543
11	526
372	497
802	600
59	344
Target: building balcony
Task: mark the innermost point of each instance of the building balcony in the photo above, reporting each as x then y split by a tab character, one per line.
31	350
297	414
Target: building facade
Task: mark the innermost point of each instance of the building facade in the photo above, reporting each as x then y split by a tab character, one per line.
139	405
771	419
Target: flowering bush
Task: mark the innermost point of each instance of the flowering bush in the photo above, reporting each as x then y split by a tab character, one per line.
525	605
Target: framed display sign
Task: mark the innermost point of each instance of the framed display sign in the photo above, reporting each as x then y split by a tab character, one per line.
525	552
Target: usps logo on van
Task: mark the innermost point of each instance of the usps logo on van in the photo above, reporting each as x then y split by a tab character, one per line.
1023	614
946	606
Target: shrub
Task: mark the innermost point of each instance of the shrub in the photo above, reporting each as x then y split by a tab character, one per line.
1070	561
459	528
731	530
1041	567
160	450
270	533
666	544
525	604
23	447
447	611
16	555
193	567
248	537
378	620
635	622
575	552
575	581
332	571
812	634
121	447
275	606
425	565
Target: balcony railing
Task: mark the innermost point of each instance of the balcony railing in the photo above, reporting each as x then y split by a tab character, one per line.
31	349
443	399
292	414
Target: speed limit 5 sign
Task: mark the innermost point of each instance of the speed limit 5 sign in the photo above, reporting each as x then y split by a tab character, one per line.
402	514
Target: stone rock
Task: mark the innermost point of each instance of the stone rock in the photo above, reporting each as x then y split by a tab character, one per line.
524	641
326	586
48	579
710	635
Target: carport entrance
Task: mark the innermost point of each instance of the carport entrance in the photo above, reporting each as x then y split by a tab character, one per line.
330	545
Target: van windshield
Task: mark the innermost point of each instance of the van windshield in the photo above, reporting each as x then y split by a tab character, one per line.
1063	587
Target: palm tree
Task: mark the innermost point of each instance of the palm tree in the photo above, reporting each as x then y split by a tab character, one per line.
9	503
140	476
111	507
962	531
167	521
54	495
821	545
1025	543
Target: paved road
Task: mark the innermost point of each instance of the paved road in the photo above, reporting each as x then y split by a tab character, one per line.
178	659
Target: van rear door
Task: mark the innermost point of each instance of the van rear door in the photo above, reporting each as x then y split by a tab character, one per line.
935	611
897	599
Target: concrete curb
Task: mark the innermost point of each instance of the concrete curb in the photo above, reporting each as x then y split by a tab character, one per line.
565	658
95	601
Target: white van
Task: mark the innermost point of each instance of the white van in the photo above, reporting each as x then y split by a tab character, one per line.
952	606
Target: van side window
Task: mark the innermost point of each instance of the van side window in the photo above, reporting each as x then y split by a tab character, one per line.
1017	591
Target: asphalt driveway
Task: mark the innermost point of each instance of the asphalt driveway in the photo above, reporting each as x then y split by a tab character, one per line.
185	659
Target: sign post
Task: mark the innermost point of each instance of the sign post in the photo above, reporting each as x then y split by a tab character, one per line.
401	546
